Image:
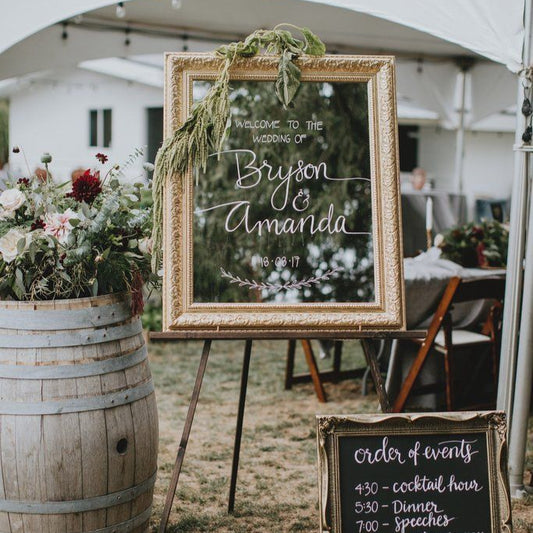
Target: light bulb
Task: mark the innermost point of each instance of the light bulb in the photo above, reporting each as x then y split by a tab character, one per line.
176	4
121	10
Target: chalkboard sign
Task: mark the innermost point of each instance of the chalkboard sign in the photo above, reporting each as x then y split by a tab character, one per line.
294	225
413	473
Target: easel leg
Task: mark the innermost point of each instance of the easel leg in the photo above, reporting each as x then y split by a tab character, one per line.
337	356
372	362
289	369
238	429
185	437
313	369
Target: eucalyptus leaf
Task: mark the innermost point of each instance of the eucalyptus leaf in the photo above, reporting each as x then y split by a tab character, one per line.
21	245
32	250
94	288
86	210
19	282
288	81
314	46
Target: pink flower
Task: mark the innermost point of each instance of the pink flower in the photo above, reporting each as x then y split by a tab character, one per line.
58	225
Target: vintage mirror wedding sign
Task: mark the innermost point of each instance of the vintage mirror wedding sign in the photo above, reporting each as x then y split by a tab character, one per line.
291	226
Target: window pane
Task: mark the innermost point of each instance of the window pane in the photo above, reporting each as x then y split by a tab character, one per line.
93	128
107	128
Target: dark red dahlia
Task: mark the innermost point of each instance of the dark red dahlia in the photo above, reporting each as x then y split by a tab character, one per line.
101	157
38	223
481	259
24	181
87	187
477	232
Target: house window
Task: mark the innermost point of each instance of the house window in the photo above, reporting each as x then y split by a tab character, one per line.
408	147
100	127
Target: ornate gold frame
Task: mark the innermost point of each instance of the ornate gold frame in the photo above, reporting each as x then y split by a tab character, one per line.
492	423
211	320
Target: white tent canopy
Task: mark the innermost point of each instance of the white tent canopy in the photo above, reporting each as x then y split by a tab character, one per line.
490	28
416	28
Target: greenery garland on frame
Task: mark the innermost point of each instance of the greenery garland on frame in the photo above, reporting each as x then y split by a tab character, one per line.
209	122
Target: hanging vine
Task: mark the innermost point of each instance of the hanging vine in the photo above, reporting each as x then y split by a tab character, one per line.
209	122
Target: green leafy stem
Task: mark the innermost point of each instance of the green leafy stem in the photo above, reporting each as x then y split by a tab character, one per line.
208	124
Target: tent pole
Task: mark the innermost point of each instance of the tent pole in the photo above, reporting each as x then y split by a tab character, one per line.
515	255
519	282
524	372
514	284
460	136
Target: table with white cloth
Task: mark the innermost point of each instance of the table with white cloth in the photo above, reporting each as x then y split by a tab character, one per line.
426	277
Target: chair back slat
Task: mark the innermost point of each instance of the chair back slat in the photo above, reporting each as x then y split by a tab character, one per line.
489	288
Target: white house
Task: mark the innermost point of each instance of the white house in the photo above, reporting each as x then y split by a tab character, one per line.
75	114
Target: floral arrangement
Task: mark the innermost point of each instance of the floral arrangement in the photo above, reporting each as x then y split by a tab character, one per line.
86	237
476	245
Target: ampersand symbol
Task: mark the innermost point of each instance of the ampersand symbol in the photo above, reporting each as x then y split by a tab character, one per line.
301	201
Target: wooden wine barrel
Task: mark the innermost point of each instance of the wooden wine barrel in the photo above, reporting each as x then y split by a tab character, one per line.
78	419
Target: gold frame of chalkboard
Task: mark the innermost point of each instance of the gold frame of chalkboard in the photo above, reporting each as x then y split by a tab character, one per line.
304	320
331	428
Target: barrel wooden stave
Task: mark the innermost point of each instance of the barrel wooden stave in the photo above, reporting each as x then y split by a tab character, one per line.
67	467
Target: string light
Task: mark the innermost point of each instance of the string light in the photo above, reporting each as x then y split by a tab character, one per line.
185	43
176	4
64	33
127	41
121	10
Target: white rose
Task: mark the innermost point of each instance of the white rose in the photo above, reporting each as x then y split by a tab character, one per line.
12	199
8	244
439	239
58	224
146	245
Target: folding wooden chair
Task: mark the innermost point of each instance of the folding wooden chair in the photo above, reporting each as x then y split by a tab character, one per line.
448	341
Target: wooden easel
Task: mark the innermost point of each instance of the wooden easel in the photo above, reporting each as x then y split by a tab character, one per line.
371	359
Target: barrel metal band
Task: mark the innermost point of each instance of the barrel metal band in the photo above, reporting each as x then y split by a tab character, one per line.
79	506
74	338
98	368
41	319
76	405
128	525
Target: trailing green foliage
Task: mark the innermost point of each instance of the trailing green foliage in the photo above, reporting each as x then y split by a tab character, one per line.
207	126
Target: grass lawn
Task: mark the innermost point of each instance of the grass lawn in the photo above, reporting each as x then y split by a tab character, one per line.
277	482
